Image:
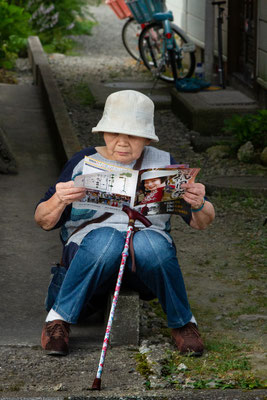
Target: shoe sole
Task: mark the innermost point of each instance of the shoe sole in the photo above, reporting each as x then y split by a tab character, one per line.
56	353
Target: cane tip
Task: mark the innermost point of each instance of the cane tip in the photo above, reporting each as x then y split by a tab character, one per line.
96	384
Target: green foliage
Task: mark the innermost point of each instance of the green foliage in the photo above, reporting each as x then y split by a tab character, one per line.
83	27
14	30
143	366
58	45
225	365
249	127
84	95
53	21
157	308
169	365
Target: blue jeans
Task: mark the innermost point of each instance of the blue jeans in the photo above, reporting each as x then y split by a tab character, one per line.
95	266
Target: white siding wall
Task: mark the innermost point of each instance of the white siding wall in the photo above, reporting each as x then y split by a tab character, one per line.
190	16
179	9
262	41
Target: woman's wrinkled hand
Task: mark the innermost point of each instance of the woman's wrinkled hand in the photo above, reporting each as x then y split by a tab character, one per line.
67	192
194	194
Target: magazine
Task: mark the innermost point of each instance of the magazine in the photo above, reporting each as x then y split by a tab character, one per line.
150	191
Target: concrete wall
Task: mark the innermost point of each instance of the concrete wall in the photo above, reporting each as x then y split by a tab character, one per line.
190	16
262	43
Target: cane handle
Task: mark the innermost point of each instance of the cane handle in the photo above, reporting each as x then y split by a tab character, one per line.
135	215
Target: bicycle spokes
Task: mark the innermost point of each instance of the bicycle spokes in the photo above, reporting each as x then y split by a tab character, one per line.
162	62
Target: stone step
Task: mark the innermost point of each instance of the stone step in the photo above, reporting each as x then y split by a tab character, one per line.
205	111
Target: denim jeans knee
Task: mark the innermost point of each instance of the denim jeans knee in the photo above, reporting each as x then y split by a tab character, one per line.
157	266
96	262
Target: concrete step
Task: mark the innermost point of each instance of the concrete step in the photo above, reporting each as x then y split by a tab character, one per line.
160	94
205	111
248	185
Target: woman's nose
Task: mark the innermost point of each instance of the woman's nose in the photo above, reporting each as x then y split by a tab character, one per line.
123	138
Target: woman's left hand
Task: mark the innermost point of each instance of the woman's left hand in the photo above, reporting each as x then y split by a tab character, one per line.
194	194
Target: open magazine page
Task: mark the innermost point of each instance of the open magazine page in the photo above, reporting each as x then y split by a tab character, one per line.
151	191
159	190
109	187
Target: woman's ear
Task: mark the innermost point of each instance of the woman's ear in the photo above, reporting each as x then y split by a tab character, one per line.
148	141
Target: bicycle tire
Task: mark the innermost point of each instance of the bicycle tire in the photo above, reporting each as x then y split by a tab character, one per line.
130	35
173	64
164	65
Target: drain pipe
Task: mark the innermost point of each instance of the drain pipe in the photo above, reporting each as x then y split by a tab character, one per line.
209	41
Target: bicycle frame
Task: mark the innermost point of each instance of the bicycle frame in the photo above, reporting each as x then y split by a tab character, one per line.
165	18
173	50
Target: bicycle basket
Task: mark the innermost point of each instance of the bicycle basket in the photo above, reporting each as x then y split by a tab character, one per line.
120	8
159	6
143	10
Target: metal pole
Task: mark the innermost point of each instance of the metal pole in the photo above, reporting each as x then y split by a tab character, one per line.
209	41
220	49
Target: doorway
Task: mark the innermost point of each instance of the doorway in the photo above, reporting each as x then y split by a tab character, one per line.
242	40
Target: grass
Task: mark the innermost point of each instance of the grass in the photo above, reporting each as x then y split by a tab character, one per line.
143	367
83	94
224	365
242	200
7	77
232	345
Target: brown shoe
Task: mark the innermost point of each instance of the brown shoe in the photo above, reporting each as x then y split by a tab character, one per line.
55	338
188	340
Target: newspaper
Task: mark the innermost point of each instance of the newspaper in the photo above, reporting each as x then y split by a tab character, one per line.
151	191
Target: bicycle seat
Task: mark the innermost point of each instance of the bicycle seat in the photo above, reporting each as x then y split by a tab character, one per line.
162	16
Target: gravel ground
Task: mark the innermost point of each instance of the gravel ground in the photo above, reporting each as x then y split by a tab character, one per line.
222	266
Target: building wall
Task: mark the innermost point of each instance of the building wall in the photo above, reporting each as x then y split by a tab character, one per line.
190	16
262	43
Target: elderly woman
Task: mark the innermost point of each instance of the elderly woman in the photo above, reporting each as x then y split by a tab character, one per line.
93	241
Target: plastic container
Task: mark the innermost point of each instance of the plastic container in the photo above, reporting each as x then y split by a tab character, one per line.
143	10
120	8
199	71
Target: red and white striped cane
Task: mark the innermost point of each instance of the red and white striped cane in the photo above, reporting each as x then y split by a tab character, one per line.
133	216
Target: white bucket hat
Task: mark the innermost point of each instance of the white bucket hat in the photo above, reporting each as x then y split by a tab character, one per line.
128	112
155	173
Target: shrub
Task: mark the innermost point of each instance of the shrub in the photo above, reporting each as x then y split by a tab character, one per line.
249	127
14	30
54	21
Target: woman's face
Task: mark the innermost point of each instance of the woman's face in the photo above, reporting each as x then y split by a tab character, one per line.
153	184
124	148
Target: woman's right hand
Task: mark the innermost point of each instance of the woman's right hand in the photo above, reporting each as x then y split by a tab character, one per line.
66	192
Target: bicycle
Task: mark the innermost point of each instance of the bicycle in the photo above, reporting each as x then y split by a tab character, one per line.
164	50
130	34
149	35
164	47
130	30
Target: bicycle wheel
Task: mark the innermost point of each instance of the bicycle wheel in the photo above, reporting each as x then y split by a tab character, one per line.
163	62
130	35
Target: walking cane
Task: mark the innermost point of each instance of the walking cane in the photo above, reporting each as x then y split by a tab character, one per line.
133	216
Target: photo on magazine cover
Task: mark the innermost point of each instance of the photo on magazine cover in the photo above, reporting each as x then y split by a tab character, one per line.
159	190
